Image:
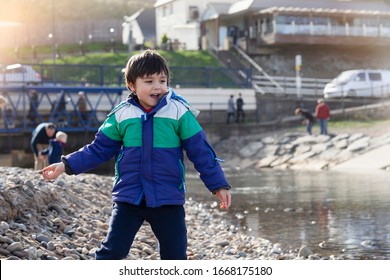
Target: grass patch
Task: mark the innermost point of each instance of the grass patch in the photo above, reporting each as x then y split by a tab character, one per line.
188	68
177	58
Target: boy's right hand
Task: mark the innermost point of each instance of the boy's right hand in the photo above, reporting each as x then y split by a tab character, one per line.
52	171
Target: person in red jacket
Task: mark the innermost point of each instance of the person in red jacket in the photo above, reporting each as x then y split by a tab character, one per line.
322	114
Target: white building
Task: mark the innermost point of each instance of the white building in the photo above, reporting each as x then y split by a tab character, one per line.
139	28
180	21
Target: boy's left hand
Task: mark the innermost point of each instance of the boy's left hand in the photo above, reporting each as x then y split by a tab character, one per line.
225	198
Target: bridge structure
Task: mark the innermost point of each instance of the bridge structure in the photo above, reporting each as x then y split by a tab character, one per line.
28	106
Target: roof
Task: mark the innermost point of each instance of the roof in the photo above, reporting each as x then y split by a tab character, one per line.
146	19
214	10
291	10
162	2
342	5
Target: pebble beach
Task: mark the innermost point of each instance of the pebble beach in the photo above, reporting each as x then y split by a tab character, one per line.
66	219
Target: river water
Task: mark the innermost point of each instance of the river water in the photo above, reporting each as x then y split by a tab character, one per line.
332	212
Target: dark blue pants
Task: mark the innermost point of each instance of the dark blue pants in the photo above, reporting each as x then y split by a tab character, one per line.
167	222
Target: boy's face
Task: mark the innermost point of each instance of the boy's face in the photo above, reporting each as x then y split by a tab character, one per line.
150	89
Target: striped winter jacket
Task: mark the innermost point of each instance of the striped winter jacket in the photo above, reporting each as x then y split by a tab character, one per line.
148	148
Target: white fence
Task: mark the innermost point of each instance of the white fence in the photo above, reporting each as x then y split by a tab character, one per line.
290	85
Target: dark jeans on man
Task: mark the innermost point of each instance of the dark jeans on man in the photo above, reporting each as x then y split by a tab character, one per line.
167	223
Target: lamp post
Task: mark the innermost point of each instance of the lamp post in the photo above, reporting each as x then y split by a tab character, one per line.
112	40
51	35
53	38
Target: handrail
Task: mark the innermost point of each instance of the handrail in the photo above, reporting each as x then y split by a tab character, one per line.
258	68
59	105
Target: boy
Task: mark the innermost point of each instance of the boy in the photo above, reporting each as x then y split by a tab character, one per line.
56	147
147	134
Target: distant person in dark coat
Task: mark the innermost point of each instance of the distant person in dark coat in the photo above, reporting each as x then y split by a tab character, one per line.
308	119
240	109
56	148
40	139
33	110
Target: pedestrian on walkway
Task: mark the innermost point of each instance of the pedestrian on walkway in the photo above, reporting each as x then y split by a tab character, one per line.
240	117
3	103
322	114
82	107
231	110
33	110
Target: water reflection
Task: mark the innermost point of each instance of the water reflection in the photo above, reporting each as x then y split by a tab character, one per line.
332	212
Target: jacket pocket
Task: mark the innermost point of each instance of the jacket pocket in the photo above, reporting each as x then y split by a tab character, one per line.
182	185
117	171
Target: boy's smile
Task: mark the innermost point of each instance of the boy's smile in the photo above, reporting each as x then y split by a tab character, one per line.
150	89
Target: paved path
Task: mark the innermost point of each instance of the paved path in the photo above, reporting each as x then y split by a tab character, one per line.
375	159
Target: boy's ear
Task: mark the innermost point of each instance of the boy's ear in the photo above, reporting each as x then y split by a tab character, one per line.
131	87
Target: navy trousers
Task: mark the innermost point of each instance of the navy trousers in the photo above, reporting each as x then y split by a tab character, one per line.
167	222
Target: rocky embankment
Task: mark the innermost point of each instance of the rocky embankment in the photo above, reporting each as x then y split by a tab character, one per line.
67	219
296	150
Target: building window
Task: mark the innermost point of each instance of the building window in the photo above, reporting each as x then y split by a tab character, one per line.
167	10
194	12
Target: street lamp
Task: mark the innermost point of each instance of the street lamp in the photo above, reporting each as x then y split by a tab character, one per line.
51	36
112	30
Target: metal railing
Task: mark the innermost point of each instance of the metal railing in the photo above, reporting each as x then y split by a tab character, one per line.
288	85
112	75
57	104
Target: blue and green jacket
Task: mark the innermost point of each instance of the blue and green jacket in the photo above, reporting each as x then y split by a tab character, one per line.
148	149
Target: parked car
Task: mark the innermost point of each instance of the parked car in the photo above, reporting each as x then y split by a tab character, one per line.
359	83
16	74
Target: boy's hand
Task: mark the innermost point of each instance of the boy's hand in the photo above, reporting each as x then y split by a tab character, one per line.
52	171
225	198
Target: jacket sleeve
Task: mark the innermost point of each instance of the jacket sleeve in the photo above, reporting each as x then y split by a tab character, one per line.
205	161
201	154
101	149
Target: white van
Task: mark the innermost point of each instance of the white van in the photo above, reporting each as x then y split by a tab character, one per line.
16	74
360	83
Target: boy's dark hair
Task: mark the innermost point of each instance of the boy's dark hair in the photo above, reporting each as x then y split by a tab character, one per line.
146	63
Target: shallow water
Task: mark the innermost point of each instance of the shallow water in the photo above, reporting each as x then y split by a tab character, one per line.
332	212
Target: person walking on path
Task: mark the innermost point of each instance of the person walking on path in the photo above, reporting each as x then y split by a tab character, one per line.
308	119
82	107
240	109
147	134
33	110
56	148
3	103
230	109
322	114
40	139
